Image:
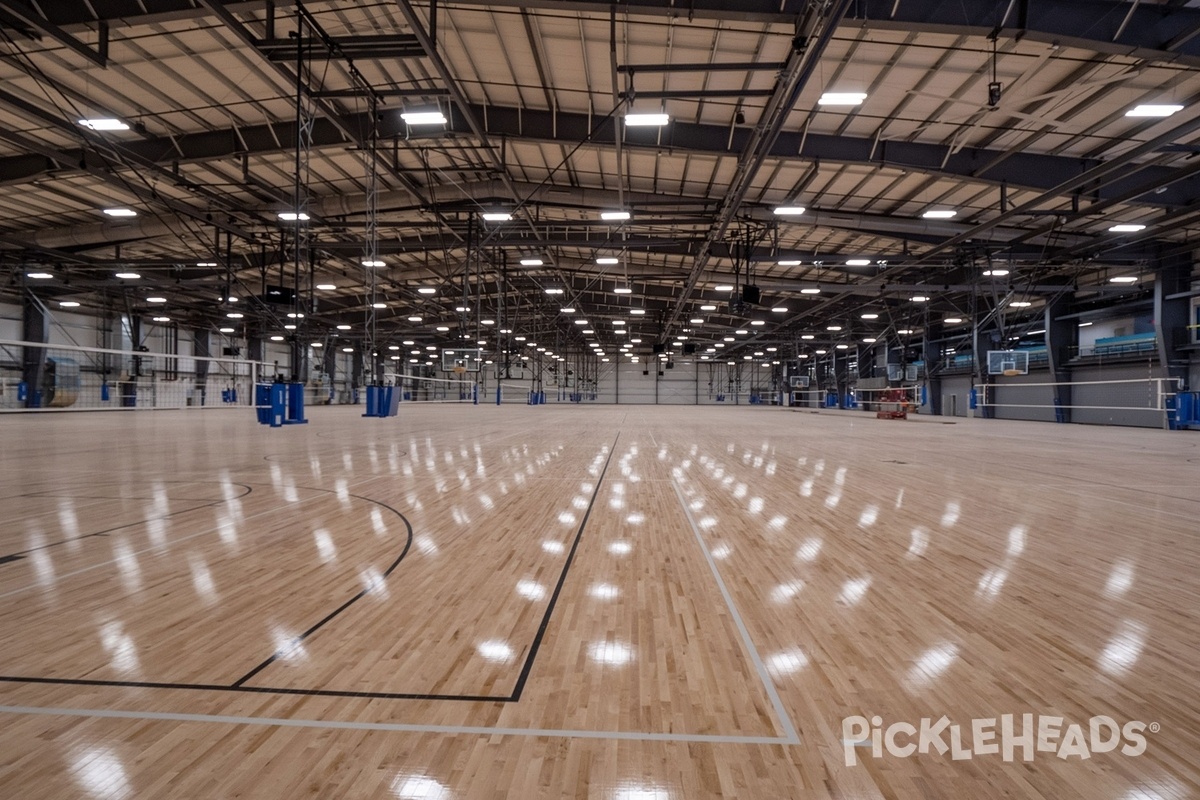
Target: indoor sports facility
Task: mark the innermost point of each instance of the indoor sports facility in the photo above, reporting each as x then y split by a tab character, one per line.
652	400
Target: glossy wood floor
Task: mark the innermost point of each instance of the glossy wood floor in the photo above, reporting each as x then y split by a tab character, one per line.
620	603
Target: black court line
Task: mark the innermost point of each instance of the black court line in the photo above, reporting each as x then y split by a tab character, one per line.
562	579
106	531
407	546
240	684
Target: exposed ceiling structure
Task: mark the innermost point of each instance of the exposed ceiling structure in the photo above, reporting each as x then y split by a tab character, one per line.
1013	116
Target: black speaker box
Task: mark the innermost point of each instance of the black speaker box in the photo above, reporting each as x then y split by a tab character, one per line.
689	349
751	294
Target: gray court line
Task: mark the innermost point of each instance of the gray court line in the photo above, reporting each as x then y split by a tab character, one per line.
398	727
790	730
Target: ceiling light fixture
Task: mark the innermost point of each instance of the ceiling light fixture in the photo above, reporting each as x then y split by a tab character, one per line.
1126	228
427	290
104	124
939	214
646	120
811	290
374	264
128	276
326	287
120	212
1153	110
607	260
614	216
858	262
789	211
531	262
1123	279
497	216
842	99
68	304
427	117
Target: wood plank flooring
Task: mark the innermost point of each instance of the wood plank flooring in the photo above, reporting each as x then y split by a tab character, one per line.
630	603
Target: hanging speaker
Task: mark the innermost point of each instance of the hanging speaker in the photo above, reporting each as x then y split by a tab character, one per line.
751	294
689	349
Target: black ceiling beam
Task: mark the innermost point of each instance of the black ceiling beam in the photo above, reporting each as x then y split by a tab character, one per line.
1018	170
1153	32
383	46
705	66
26	15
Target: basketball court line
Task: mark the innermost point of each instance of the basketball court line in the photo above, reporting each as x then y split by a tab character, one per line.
240	684
397	727
791	737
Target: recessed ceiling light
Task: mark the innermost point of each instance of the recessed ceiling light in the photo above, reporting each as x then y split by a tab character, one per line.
724	287
68	304
708	308
995	273
343	327
614	216
789	211
1123	279
780	309
810	290
939	214
646	120
531	262
326	287
292	216
842	99
104	124
1152	110
858	262
374	264
497	216
1126	228
608	260
120	212
128	276
870	316
156	299
424	117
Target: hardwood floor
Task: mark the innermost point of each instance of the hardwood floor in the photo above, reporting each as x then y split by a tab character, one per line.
628	603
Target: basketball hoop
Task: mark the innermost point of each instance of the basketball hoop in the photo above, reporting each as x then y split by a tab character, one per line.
460	370
1009	373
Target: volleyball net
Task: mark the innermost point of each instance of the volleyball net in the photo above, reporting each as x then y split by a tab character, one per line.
1139	401
71	377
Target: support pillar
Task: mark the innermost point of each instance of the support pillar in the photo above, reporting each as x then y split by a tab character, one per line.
1171	309
202	348
1061	336
35	327
931	353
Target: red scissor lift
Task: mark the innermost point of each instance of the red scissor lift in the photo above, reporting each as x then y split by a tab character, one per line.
893	404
